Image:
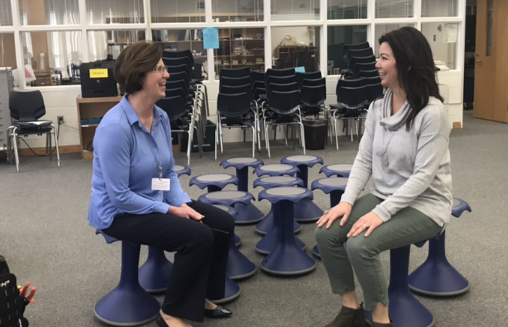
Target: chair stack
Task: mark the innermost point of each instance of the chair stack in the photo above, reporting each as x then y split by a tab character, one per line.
236	107
356	89
186	98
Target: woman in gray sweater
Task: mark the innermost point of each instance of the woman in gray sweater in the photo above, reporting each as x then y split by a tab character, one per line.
405	150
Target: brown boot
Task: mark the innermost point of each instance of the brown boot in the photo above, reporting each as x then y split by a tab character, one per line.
376	324
348	317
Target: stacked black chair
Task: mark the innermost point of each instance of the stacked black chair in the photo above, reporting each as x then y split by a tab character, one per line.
235	105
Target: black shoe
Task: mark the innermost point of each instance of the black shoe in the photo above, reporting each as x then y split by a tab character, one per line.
219	312
348	317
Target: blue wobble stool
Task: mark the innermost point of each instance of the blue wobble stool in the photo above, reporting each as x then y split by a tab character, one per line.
274	170
404	309
273	236
335	186
266	225
287	258
239	266
128	304
181	170
436	276
305	210
227	198
213	182
340	170
246	214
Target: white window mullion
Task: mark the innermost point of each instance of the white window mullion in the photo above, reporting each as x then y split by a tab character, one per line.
323	35
148	19
371	27
84	32
210	68
17	43
267	13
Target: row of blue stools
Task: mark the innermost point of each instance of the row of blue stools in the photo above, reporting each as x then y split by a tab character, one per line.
286	187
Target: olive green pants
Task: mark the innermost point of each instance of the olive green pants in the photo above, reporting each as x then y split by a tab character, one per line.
406	227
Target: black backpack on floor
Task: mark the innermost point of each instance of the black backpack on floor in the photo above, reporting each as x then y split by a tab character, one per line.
12	304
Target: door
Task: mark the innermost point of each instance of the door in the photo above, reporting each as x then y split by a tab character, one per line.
491	69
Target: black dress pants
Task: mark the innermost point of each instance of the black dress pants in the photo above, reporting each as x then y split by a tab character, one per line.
199	268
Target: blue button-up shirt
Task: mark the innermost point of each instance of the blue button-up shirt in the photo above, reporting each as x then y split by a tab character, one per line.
126	158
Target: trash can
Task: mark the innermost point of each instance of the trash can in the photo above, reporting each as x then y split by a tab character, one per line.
316	131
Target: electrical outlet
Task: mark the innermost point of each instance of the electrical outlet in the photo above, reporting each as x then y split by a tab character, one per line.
60	119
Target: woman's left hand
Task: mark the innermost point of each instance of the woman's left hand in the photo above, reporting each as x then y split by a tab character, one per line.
370	221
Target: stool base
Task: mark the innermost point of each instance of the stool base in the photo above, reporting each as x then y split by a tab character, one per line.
238	241
437	279
288	259
271	241
315	251
232	292
266	225
239	266
307	211
247	214
154	273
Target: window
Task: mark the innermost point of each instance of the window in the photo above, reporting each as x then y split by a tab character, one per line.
347	9
177	11
5	13
383	29
240	47
442	38
439	8
394	8
115	11
179	40
7	53
49	12
296	46
104	43
337	37
237	10
51	56
295	9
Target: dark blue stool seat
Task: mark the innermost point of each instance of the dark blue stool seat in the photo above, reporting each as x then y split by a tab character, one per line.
275	181
213	182
340	170
181	170
128	304
287	258
239	267
404	309
436	276
335	186
246	214
272	237
305	210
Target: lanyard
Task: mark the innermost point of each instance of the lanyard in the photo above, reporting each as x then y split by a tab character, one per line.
154	152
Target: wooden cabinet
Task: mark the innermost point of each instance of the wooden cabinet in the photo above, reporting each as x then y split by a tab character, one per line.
90	109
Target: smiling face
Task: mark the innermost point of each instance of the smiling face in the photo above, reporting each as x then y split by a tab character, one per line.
387	67
155	82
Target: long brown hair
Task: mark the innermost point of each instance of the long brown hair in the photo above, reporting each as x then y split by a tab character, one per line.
416	69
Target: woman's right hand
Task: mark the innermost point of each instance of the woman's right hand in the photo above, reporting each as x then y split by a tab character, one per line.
185	211
343	209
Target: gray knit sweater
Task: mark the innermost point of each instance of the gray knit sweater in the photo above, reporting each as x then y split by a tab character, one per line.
408	168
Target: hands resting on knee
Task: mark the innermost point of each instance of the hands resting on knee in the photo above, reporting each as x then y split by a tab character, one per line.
368	222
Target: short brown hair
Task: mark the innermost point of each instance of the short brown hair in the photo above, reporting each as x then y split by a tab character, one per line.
134	63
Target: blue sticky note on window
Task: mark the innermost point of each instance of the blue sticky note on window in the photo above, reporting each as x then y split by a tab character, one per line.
211	38
300	69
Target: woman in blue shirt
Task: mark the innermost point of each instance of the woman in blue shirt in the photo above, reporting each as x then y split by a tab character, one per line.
136	195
